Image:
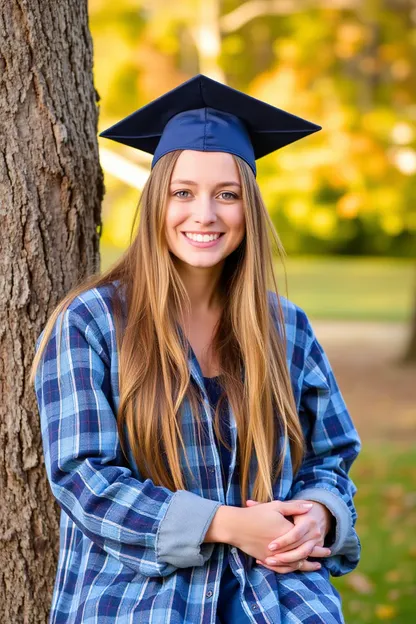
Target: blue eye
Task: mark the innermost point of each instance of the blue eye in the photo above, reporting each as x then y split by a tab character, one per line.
231	195
177	194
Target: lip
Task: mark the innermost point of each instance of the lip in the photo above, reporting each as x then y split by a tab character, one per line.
202	244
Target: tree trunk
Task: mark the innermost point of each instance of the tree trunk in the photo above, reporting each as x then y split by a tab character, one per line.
409	356
51	188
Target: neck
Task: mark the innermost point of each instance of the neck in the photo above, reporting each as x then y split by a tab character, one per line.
202	286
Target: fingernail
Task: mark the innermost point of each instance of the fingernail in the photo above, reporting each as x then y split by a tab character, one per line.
271	561
328	551
273	547
309	505
318	565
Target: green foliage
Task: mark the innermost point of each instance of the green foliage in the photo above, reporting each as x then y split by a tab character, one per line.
349	189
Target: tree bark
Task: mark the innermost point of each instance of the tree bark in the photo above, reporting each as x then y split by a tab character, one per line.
409	356
51	187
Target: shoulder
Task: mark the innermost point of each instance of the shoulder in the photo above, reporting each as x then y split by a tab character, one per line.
88	321
298	328
92	312
94	307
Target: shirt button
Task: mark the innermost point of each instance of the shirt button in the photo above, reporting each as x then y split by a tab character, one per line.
209	594
254	607
211	469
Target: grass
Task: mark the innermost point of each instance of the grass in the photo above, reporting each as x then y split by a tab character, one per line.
347	288
351	288
383	586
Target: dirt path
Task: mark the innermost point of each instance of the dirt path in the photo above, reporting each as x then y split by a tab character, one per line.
380	393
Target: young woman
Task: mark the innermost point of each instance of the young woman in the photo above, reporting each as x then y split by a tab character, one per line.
193	431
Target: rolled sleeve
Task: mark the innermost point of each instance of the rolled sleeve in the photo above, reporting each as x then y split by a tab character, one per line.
181	533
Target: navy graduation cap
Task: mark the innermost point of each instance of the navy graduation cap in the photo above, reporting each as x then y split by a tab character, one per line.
205	115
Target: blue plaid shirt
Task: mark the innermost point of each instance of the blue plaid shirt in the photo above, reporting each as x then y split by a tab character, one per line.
133	552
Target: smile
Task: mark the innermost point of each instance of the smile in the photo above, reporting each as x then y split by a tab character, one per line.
200	240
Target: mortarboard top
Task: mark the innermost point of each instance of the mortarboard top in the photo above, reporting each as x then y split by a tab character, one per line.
205	115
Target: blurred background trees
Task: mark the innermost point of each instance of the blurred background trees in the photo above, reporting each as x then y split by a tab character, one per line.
345	64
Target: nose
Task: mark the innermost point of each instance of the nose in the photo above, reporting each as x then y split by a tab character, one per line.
204	209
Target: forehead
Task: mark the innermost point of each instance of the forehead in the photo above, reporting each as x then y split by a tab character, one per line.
205	166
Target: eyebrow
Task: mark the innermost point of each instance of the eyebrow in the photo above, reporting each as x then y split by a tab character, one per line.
191	183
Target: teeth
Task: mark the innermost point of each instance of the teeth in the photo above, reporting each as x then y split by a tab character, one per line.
206	238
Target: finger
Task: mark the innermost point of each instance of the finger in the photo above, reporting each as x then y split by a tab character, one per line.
302	552
285	507
293	538
308	566
291	546
291	508
279	569
320	551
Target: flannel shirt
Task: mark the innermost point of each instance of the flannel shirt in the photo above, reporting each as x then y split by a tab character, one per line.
132	552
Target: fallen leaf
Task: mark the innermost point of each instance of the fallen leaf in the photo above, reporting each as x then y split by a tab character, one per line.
394	511
386	612
394	491
393	576
360	583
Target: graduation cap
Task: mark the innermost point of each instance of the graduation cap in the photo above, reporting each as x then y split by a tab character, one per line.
205	115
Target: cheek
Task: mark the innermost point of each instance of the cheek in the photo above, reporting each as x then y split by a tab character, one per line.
237	221
175	215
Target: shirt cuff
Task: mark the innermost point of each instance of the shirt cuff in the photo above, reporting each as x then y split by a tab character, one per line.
338	508
180	537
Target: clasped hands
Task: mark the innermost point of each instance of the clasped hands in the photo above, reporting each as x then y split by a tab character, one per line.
290	550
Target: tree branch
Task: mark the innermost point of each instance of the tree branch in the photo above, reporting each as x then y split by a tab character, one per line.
254	8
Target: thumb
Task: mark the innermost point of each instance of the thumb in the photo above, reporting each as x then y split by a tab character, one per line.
291	508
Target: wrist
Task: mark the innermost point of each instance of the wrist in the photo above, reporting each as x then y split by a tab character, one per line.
223	525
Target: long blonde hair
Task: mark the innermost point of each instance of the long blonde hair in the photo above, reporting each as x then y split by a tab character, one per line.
153	360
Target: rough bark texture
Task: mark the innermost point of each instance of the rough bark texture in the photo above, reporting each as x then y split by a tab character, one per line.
410	353
50	213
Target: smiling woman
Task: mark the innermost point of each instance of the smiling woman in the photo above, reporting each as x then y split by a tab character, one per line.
192	425
202	213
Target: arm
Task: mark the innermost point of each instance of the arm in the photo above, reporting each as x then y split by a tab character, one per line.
149	528
332	444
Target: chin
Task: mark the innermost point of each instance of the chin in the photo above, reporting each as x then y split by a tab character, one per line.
206	264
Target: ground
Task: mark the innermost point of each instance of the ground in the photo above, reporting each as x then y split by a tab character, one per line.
379	391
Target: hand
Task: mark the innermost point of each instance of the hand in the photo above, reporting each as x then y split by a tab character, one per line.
256	526
304	540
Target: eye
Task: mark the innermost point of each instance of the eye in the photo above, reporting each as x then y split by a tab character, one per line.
230	195
176	194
